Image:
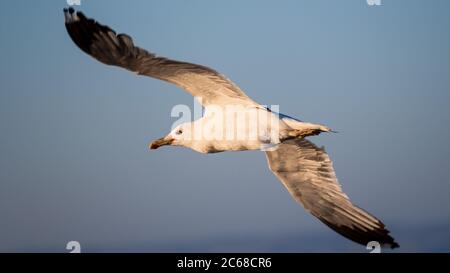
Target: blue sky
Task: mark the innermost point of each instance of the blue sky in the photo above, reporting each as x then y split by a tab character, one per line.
74	163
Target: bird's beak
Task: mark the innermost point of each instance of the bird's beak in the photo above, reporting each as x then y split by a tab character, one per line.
167	140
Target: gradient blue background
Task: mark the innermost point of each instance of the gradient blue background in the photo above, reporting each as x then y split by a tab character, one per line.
74	163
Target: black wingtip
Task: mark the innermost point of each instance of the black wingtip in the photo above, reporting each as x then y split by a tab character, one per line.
389	242
71	10
394	245
81	14
65	10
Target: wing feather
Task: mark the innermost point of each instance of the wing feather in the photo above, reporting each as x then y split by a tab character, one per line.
307	173
102	43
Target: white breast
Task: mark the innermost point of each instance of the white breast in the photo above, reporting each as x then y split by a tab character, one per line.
237	128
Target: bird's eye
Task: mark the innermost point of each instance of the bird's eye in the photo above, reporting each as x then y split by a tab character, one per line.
179	132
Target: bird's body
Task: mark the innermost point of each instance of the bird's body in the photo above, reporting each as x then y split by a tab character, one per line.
233	128
234	122
240	128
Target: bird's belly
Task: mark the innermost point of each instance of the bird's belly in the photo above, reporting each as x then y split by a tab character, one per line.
248	129
231	145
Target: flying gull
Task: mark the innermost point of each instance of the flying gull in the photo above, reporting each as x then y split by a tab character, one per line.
304	169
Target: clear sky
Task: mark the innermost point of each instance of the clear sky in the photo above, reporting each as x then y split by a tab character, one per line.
74	163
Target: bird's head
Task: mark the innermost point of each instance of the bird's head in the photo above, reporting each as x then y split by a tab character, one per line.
179	136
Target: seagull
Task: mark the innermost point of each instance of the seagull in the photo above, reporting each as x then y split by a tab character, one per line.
304	169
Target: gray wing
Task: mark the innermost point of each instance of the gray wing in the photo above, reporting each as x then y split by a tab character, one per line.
103	44
307	173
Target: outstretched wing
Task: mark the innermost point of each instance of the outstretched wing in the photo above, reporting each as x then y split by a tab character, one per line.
102	43
307	173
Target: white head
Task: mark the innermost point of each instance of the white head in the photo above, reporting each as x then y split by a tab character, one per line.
179	136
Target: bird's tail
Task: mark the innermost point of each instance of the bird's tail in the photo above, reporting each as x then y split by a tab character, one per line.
300	129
